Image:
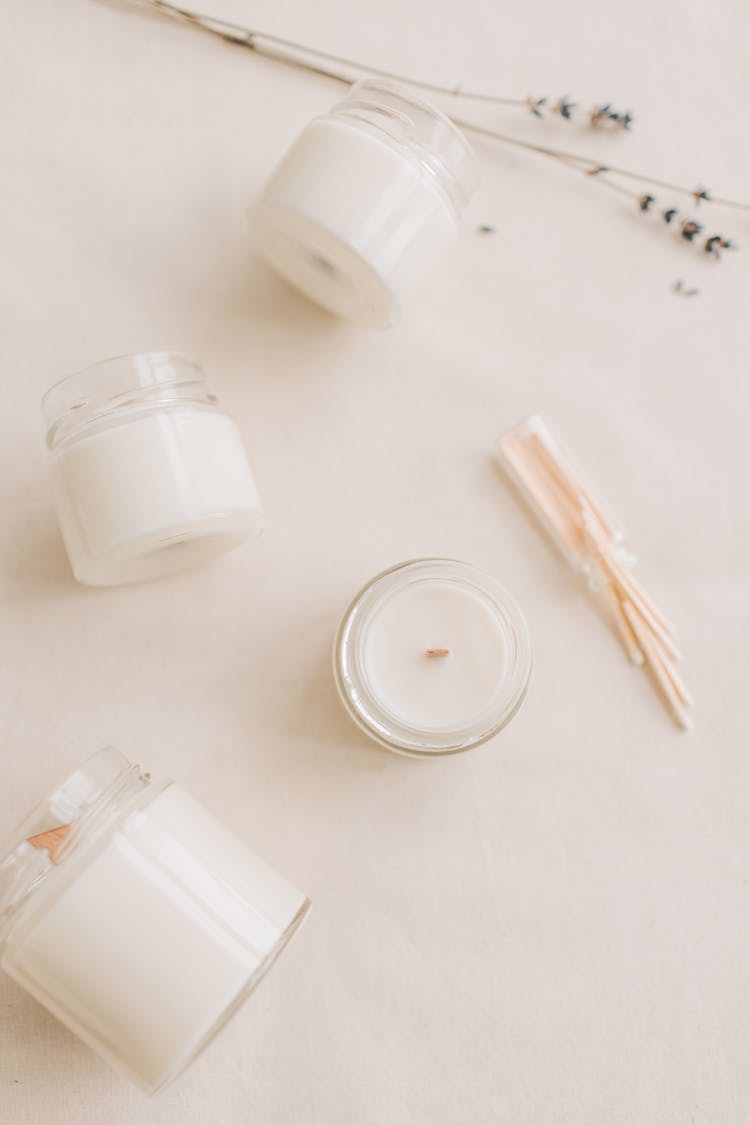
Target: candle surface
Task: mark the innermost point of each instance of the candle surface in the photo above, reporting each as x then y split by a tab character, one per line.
144	948
352	221
447	691
153	492
432	657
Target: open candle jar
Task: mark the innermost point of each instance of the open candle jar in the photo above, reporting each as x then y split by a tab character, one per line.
149	476
366	202
136	918
432	657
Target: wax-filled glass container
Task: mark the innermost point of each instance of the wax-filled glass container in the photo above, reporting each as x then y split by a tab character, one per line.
366	203
136	918
149	475
432	657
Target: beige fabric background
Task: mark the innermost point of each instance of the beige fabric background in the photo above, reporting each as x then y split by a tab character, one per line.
553	930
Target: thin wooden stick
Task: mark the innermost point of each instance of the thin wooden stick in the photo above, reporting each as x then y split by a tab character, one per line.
625	629
668	661
679	684
565	505
664	683
640	606
577	491
602	548
559	519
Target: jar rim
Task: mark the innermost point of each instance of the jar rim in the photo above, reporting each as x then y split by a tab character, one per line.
84	395
445	154
79	807
380	724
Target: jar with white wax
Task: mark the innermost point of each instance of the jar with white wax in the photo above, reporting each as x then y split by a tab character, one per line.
366	203
149	475
136	918
432	657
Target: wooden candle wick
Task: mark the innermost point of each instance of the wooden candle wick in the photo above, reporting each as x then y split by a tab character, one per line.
437	652
51	841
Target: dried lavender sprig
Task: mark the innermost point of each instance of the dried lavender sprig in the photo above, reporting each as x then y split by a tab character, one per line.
594	168
266	44
689	228
278	49
596	117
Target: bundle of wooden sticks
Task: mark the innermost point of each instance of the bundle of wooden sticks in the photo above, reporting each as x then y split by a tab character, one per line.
587	537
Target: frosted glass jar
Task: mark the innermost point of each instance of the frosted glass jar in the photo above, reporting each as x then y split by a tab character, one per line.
366	203
136	918
149	476
432	657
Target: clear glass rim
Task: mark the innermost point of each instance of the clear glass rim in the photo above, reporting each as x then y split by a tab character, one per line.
442	150
374	720
132	379
85	802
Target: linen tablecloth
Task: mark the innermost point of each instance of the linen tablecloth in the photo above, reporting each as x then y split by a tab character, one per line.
552	930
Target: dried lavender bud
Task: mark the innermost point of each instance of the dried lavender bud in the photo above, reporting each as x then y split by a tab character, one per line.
536	105
485	228
605	115
716	243
690	228
680	287
564	106
699	194
669	214
646	201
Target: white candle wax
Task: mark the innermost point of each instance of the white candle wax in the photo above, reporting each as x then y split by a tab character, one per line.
149	477
435	692
432	657
363	208
157	493
144	942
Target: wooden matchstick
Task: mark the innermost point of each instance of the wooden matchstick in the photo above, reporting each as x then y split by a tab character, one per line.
625	576
583	531
655	664
559	520
625	630
571	483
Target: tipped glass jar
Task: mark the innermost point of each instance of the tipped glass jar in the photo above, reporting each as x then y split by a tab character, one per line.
366	202
149	476
136	918
432	657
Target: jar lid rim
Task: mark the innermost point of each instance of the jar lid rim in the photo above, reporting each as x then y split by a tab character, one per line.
370	714
163	356
77	805
454	166
81	396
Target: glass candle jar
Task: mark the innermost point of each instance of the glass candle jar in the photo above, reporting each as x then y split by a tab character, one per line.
366	202
136	918
432	657
149	476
